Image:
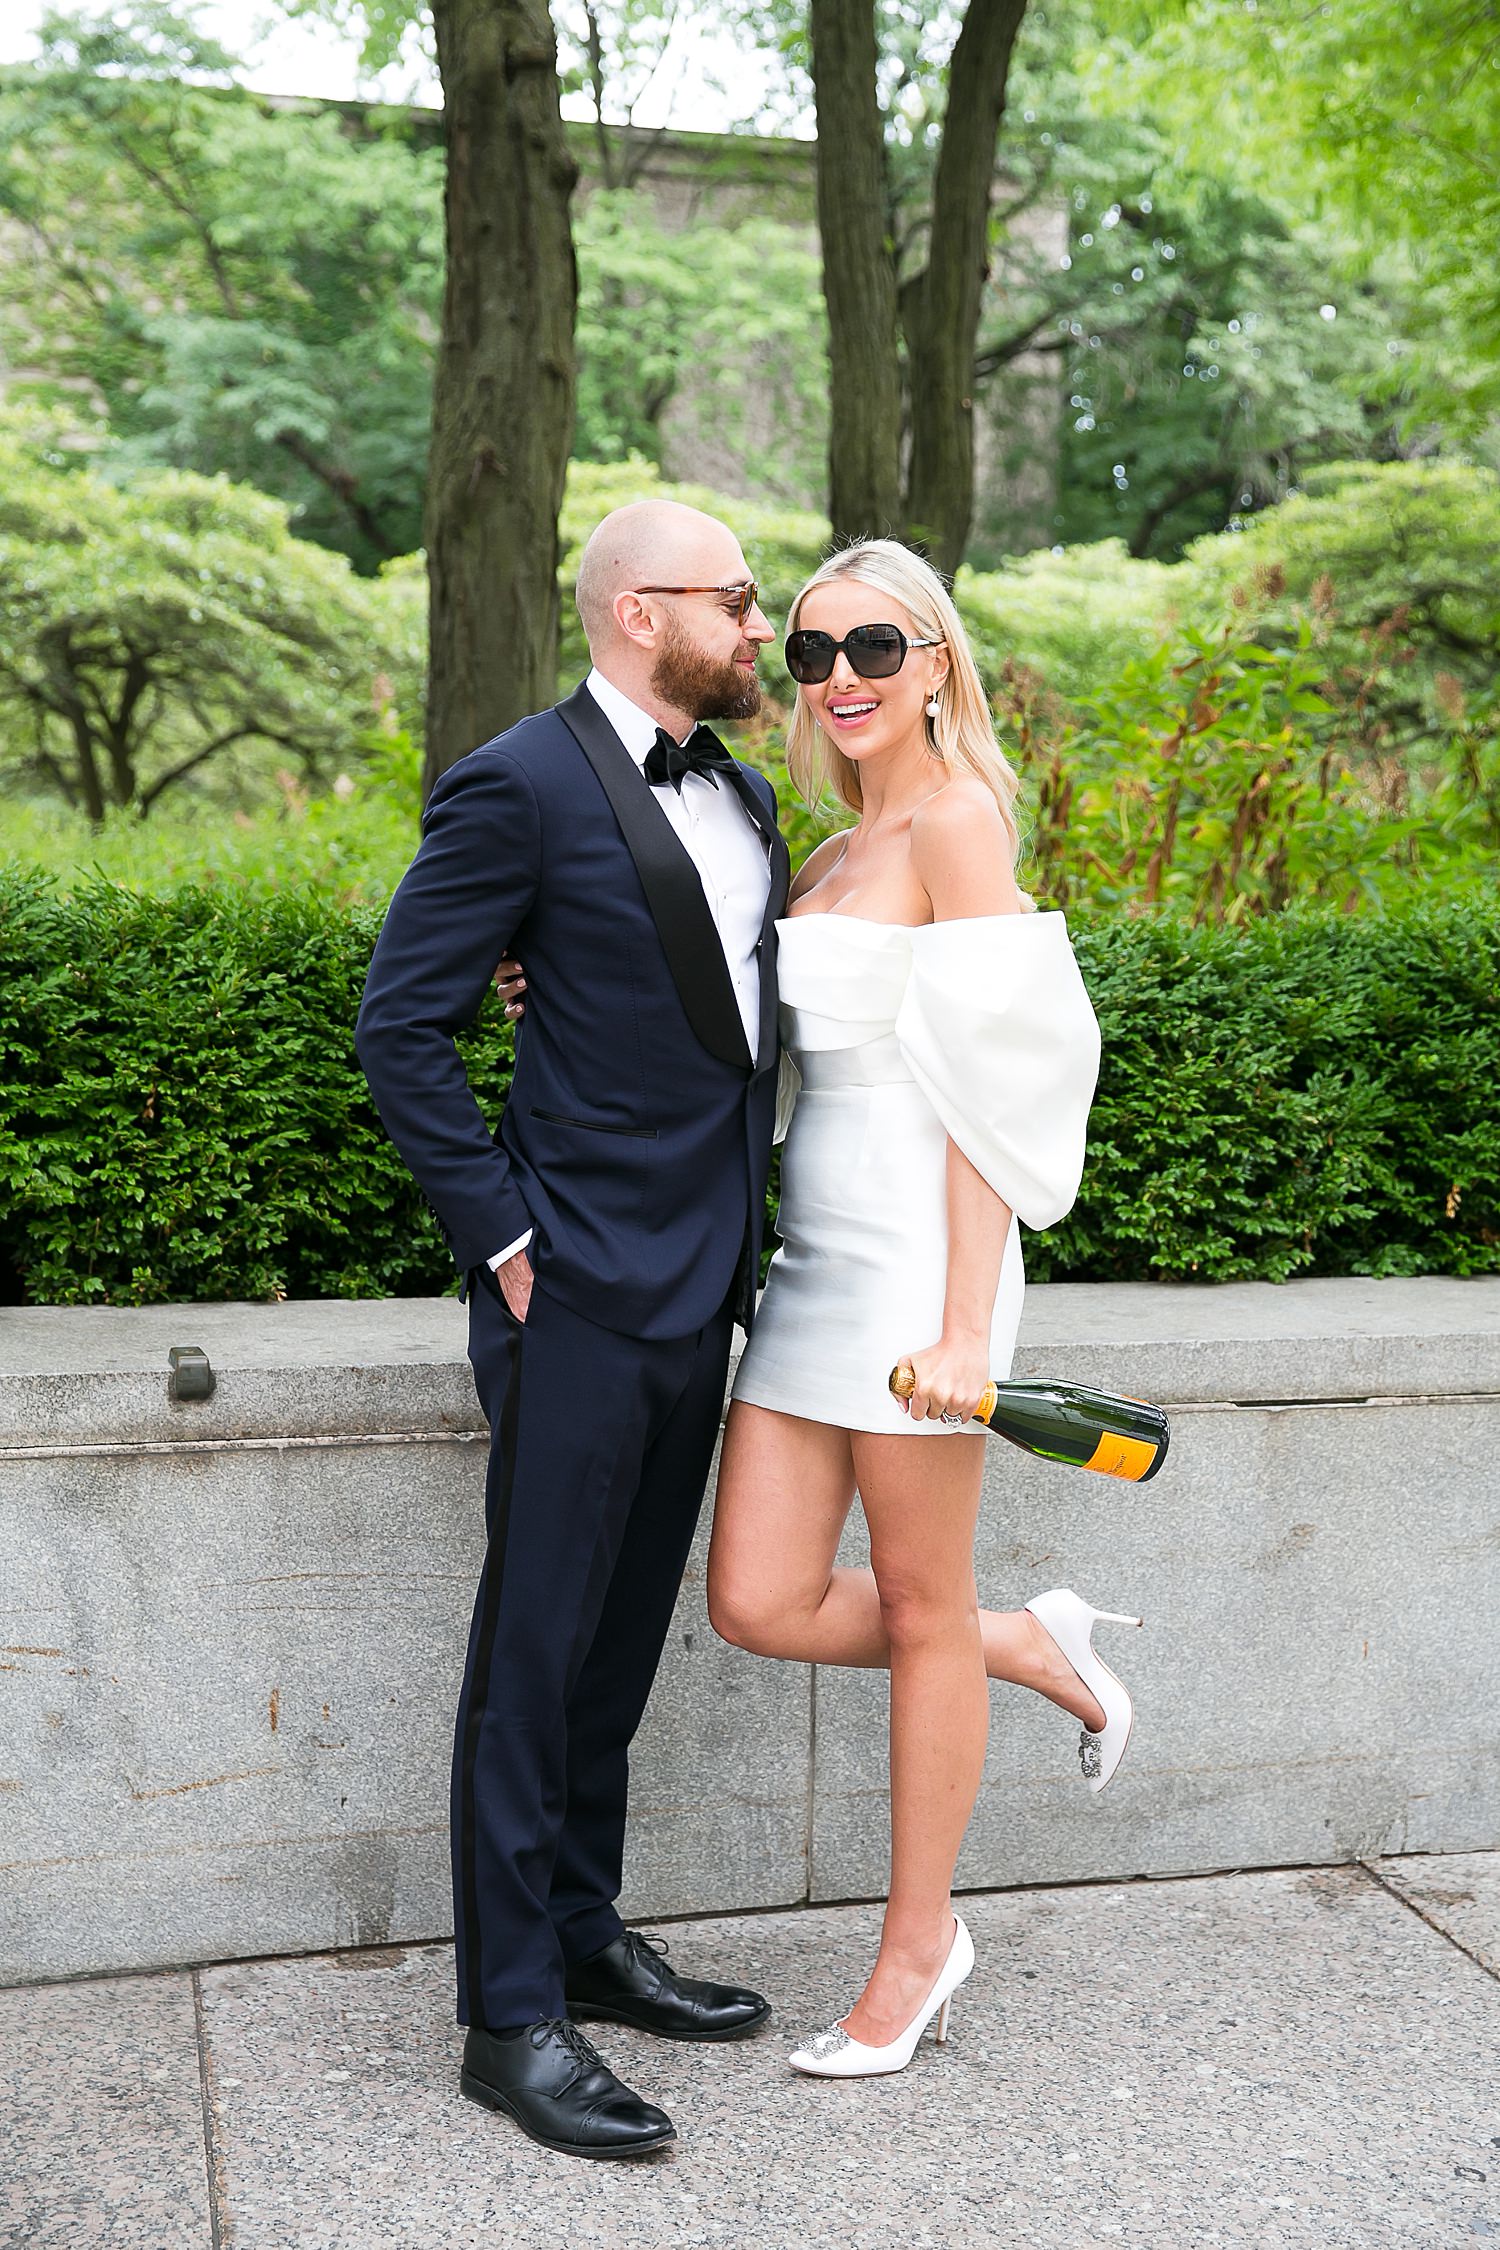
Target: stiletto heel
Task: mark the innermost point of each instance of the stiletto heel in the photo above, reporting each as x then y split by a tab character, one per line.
834	2054
1070	1622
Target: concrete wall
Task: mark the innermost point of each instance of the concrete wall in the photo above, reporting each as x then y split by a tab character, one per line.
231	1632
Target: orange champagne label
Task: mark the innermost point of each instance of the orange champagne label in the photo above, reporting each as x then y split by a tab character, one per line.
1116	1456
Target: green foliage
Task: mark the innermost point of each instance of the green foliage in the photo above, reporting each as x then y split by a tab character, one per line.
350	844
182	1114
1399	565
1075	615
1383	121
1216	355
1297	752
1313	1095
1208	333
256	292
239	289
723	323
1214	776
146	632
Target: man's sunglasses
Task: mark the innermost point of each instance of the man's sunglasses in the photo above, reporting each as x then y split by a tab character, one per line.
744	597
875	652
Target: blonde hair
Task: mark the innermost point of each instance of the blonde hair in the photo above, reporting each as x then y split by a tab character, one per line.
962	735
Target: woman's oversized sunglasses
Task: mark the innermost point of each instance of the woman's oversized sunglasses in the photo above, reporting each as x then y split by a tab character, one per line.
875	652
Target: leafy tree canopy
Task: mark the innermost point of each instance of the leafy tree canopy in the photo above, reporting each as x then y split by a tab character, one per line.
1378	123
236	287
1399	564
148	631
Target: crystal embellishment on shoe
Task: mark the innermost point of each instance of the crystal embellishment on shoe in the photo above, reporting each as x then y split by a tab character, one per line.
836	2053
827	2042
1070	1622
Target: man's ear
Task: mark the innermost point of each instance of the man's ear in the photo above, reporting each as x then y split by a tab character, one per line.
633	618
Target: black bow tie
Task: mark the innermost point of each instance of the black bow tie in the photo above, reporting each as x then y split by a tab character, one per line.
669	761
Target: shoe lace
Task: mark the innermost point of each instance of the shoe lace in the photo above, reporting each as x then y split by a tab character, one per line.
646	1941
564	2030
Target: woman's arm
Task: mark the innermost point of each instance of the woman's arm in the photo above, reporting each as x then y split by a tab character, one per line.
961	855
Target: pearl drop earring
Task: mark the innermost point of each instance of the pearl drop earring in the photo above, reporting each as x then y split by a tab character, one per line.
932	705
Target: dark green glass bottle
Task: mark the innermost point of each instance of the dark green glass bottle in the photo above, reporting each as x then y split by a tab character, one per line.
1067	1422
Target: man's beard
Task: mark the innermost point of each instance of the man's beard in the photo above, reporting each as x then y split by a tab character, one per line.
705	686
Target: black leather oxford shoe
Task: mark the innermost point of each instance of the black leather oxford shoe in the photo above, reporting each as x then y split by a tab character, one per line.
630	1982
547	2077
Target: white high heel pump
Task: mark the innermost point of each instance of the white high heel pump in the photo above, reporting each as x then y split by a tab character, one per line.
834	2054
1070	1621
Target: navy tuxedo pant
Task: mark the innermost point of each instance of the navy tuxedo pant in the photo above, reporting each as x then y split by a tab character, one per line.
600	1447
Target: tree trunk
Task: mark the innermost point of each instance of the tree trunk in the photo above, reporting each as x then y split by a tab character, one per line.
941	313
502	416
859	274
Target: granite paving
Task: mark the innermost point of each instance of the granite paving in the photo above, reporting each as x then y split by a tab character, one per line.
103	2134
1268	2059
1458	1893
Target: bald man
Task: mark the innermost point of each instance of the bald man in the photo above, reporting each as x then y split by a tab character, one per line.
608	1234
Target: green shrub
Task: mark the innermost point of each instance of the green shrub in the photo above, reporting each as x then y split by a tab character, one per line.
1313	1094
1224	778
181	1111
182	1114
1398	565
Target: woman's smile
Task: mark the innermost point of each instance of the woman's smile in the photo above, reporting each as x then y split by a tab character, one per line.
851	711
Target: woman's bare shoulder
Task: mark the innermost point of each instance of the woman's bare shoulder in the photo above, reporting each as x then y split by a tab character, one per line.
962	852
818	863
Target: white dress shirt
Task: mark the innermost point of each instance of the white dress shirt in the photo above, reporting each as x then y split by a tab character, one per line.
724	845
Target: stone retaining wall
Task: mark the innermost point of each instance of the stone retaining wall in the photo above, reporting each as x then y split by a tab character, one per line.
231	1631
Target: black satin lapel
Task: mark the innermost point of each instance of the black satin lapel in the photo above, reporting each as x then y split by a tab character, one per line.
674	891
765	821
781	873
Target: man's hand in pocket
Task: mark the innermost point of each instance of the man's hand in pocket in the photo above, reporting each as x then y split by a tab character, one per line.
514	1278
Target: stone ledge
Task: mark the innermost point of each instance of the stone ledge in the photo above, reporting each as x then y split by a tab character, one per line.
331	1367
234	1632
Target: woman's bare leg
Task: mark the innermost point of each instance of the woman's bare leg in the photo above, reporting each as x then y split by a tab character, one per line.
921	1500
785	1488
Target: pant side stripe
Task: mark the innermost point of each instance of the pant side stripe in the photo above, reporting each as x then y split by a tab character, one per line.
479	1685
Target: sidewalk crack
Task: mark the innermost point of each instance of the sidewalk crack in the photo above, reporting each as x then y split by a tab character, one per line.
1413	1906
809	1831
221	2226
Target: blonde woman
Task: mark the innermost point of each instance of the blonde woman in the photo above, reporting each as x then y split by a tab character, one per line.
947	1054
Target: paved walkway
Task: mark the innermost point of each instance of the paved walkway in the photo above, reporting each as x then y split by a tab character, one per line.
1296	2058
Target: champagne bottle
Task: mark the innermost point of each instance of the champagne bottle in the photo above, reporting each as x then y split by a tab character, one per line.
1086	1429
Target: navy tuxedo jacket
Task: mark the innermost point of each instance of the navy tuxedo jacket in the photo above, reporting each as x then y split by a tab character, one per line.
637	1136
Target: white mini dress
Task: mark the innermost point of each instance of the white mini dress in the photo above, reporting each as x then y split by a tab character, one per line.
895	1039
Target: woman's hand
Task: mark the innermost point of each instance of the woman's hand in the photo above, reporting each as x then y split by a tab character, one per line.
510	983
951	1377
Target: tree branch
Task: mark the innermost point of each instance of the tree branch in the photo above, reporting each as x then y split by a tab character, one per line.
179	203
343	485
205	751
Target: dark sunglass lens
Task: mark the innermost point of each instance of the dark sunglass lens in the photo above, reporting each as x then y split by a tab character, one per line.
809	657
875	651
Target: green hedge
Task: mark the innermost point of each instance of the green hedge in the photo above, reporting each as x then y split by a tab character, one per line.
182	1115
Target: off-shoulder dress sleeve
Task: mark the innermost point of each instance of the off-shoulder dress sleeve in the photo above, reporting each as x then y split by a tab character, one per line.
999	1033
